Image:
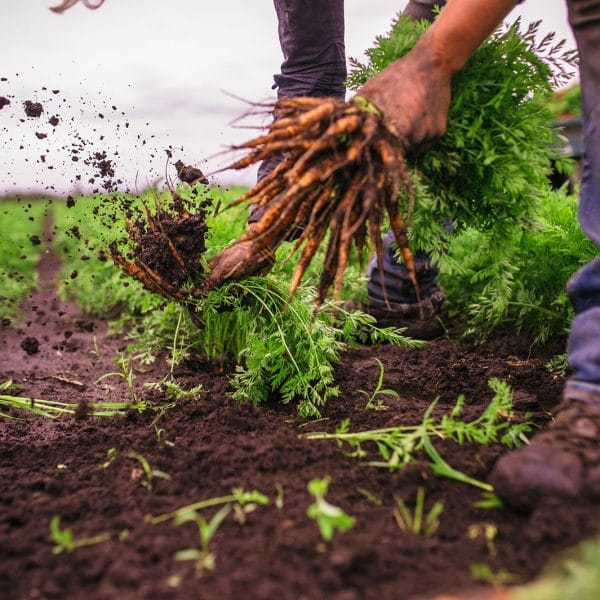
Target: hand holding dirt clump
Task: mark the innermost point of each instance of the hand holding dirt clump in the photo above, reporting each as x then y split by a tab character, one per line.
167	248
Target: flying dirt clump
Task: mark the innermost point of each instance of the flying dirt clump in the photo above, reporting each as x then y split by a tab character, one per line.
33	109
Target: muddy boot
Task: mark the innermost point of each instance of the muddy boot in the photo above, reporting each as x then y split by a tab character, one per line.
563	460
392	298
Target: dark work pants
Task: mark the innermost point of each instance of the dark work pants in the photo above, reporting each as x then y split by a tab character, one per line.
584	287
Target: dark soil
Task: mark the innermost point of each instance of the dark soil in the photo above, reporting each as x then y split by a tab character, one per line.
209	444
186	234
33	109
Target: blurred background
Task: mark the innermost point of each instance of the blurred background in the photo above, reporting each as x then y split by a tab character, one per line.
136	78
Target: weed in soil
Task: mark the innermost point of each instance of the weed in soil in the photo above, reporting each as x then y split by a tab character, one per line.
329	518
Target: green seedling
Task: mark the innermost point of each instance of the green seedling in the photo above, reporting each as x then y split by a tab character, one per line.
488	501
558	365
172	389
111	454
416	521
203	557
148	471
329	518
397	446
65	540
96	348
374	400
440	467
52	409
486	530
280	496
370	496
238	495
126	374
484	573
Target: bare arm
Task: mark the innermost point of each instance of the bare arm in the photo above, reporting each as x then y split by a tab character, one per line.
413	93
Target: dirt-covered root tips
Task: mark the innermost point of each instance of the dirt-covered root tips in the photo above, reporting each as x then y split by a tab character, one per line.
341	172
165	249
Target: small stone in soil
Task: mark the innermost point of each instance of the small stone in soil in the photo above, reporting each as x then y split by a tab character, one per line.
30	345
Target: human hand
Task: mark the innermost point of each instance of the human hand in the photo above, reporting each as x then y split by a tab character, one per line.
237	262
413	95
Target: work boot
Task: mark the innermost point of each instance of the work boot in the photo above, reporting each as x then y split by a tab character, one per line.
392	298
563	460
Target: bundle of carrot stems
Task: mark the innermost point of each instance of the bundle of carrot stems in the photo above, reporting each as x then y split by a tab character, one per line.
341	171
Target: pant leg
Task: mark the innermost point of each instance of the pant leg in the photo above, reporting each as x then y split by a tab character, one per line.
311	36
584	287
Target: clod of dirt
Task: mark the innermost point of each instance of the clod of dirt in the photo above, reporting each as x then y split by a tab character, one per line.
41	136
3	102
35	240
70	202
167	248
189	174
33	109
54	121
186	235
30	345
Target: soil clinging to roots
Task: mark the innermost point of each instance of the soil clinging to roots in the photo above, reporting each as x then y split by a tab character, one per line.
166	249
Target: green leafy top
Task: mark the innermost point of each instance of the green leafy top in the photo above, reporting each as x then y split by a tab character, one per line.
490	168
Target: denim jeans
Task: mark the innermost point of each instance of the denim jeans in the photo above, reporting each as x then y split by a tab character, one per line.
583	348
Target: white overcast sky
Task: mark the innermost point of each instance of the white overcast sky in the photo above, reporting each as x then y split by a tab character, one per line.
168	65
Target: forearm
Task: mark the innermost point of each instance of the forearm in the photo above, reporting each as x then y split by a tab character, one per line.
461	27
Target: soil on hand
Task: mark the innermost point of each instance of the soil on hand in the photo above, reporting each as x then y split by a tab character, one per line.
209	444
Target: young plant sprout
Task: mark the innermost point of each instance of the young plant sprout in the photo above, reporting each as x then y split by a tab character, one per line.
329	518
397	445
417	521
203	557
238	495
486	530
149	473
374	401
65	540
484	573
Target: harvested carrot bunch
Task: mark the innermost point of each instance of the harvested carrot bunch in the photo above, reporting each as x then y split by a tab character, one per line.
340	172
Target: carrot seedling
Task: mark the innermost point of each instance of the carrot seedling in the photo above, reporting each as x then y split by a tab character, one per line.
148	471
486	530
65	540
328	517
203	557
485	574
374	400
417	521
238	495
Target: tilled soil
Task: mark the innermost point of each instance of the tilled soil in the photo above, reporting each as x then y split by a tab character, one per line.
210	444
